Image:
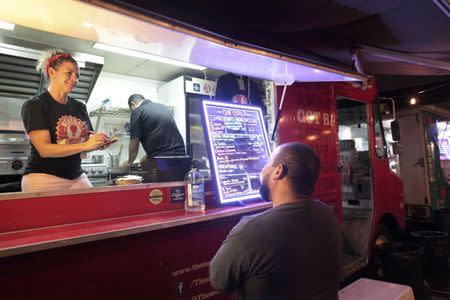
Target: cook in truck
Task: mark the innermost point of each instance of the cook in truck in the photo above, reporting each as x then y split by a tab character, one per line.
152	124
59	129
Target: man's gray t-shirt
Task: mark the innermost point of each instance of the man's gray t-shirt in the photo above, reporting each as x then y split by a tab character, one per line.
292	251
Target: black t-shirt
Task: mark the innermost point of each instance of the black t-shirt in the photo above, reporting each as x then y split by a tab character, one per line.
67	123
153	124
231	88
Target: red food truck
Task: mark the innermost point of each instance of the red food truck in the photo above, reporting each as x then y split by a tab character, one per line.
137	241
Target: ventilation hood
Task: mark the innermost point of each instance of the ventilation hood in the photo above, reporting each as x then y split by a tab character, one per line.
20	79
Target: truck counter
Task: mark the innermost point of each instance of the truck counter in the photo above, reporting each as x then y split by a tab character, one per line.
120	241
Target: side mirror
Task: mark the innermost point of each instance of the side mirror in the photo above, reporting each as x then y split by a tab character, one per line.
395	130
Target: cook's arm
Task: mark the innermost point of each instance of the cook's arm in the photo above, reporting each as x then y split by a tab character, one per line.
133	150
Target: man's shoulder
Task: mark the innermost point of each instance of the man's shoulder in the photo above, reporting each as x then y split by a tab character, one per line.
146	106
156	105
248	223
324	207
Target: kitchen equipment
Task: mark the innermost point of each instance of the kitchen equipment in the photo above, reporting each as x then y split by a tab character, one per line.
97	173
167	168
189	92
97	158
126	180
14	151
102	107
114	160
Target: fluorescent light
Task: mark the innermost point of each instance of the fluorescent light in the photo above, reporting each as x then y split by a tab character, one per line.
147	56
87	24
9	49
6	25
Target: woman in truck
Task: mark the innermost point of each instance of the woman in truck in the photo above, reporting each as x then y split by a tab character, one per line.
59	129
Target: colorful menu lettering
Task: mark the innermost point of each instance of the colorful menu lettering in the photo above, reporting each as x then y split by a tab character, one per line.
239	148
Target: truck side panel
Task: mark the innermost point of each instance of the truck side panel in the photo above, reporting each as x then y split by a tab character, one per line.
309	116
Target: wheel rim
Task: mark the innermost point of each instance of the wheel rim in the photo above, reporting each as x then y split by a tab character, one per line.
381	239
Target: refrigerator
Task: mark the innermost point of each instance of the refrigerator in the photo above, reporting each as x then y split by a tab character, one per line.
185	94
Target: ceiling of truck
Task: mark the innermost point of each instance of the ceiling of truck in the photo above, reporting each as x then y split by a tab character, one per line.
327	31
323	29
323	33
92	26
116	63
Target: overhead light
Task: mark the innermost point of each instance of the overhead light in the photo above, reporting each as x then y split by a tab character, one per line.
87	24
147	56
412	101
13	50
6	25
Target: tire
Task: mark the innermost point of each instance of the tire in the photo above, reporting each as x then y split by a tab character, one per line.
382	236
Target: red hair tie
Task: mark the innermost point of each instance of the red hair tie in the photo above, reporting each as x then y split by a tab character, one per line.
54	58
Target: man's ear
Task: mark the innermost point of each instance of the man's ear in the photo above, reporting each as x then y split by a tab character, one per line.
280	172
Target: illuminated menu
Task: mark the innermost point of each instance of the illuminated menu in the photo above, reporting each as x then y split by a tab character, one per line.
444	139
239	148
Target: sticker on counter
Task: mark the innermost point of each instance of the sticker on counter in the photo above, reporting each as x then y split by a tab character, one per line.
177	194
155	196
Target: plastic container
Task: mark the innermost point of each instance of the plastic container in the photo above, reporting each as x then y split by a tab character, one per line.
443	219
114	161
436	252
194	191
402	262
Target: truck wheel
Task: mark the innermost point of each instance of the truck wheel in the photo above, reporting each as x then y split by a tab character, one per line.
382	236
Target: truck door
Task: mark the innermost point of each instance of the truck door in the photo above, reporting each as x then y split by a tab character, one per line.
354	162
356	180
412	159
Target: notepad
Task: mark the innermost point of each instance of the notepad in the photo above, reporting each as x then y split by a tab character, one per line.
112	140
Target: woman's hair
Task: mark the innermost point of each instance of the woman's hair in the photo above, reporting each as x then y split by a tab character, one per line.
53	58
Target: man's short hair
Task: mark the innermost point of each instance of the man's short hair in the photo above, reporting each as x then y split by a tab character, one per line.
136	98
302	166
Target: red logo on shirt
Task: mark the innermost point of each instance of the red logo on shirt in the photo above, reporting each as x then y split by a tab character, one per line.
71	130
240	99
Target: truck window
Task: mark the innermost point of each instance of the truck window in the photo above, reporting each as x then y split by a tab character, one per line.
380	141
354	158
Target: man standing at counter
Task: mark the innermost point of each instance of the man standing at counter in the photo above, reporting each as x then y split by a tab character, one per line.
153	125
292	251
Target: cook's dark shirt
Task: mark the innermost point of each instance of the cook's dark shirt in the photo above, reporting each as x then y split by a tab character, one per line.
153	124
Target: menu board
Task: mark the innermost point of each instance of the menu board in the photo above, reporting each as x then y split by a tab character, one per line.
238	147
444	139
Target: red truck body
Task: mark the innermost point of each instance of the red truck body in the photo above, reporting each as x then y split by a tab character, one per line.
318	114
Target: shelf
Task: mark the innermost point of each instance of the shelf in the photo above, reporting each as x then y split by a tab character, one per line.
116	112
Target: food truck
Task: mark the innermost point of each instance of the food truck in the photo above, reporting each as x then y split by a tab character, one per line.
137	241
